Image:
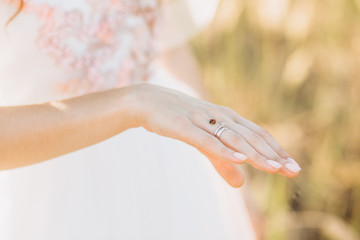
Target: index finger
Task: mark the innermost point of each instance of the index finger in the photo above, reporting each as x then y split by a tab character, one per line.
290	167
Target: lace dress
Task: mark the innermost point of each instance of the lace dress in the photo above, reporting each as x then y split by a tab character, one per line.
135	185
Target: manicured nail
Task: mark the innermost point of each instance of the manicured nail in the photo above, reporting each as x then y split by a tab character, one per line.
291	160
293	167
273	164
240	156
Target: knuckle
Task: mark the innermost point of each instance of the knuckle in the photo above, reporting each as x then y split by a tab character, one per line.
226	109
229	111
264	133
282	152
257	158
276	158
214	111
253	155
255	138
238	140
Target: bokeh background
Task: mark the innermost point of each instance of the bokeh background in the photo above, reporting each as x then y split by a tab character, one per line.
293	67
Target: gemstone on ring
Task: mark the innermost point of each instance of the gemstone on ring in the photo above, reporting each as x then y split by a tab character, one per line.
212	121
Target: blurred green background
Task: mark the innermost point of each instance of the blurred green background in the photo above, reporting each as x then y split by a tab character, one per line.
293	67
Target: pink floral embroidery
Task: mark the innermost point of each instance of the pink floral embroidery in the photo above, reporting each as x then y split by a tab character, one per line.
111	46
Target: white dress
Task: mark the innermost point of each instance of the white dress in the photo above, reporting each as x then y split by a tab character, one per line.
136	185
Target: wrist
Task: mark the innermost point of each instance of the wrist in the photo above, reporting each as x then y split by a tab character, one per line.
130	106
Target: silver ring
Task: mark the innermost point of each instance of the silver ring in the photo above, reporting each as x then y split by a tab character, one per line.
220	130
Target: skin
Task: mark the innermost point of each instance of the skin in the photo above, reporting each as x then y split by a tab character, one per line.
39	132
189	72
35	133
186	118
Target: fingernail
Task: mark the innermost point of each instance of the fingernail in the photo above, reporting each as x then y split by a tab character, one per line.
273	164
240	156
291	160
293	167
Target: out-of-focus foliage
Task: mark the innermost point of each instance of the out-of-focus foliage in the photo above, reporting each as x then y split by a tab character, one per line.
293	67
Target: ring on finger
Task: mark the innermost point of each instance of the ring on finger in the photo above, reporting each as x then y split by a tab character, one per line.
220	130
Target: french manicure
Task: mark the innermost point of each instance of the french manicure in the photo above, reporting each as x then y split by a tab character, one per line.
293	161
273	164
240	156
293	167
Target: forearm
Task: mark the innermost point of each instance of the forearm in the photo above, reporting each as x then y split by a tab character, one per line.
34	133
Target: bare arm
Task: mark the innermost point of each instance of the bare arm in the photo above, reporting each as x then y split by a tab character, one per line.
34	133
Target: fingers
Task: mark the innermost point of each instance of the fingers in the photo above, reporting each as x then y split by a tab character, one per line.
228	171
235	141
220	156
290	167
256	159
262	133
259	152
256	141
235	145
203	140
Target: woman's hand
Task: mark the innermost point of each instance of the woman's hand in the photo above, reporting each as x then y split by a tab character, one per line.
174	114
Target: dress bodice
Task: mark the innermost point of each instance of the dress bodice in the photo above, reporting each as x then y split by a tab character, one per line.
69	47
56	49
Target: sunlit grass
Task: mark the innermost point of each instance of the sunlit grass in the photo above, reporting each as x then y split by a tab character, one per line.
295	71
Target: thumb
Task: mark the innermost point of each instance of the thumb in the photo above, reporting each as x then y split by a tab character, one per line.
228	171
